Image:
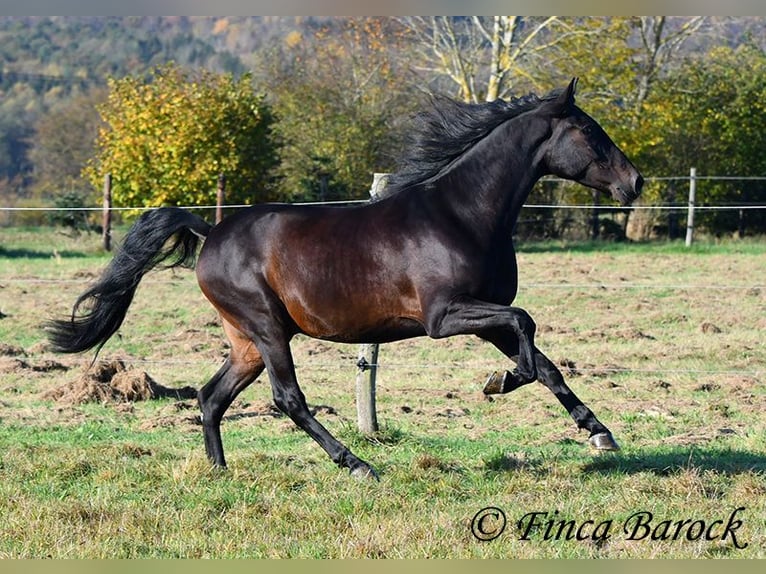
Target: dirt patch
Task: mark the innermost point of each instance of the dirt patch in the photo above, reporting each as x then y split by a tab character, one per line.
253	410
11	350
113	382
571	369
708	327
451	413
176	415
10	364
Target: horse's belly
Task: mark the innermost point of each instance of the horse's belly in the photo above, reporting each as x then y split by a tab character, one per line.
343	318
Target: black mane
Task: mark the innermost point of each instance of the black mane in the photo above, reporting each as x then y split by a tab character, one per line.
446	131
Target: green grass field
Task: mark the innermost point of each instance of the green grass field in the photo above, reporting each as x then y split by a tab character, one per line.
664	343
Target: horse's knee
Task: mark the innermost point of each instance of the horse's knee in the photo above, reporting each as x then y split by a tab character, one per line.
524	323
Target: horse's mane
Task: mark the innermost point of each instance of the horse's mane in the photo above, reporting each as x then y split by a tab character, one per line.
447	130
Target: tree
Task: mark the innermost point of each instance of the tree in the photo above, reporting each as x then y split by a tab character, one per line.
47	60
485	58
660	45
621	91
627	93
63	142
338	95
17	114
166	139
717	122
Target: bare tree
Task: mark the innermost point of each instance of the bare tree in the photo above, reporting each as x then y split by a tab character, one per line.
661	40
487	58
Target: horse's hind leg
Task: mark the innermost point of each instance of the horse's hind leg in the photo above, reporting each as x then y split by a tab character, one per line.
550	376
289	398
241	368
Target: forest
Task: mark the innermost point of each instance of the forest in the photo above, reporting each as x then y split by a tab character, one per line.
333	97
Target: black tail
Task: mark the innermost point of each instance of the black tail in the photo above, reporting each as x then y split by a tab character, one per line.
109	299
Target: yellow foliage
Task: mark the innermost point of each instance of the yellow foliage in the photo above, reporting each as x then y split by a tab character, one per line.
293	39
165	141
220	26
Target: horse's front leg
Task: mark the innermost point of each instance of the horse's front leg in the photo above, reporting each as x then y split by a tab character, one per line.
550	376
468	316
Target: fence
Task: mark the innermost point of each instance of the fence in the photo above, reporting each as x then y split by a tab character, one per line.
368	357
594	209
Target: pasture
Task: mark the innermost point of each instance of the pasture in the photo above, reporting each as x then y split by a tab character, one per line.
663	343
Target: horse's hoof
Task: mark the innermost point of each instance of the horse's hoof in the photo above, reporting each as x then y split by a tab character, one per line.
603	441
496	383
364	472
500	383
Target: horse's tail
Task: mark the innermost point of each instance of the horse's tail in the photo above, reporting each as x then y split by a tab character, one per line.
142	249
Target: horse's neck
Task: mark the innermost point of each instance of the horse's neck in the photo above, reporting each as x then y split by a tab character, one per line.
494	179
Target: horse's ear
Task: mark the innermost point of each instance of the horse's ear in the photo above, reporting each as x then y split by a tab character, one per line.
566	99
571	89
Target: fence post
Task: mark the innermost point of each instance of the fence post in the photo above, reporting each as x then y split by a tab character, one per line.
107	214
219	197
594	222
366	415
690	214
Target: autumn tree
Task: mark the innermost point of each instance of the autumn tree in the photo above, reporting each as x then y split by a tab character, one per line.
63	142
627	94
338	94
715	123
165	139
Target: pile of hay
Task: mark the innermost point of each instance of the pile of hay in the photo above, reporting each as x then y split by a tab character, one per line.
113	382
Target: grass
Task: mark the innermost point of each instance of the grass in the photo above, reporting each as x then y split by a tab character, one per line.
626	324
700	246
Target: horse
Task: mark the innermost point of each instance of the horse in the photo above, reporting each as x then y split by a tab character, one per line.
438	259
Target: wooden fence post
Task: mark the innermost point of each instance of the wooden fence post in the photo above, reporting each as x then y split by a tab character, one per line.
107	213
366	414
219	198
594	221
690	214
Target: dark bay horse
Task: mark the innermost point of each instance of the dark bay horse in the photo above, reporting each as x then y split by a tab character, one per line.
432	257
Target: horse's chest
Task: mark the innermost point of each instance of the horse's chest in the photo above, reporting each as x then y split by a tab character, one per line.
500	279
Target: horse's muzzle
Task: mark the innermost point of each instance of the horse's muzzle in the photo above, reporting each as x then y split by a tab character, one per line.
629	192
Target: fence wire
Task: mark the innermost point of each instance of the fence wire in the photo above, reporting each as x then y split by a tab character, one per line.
480	366
476	366
677	207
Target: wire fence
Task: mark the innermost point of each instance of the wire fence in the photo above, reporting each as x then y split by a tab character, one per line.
677	207
480	365
557	286
634	207
350	365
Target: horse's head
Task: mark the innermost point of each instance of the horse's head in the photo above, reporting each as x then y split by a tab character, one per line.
580	150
